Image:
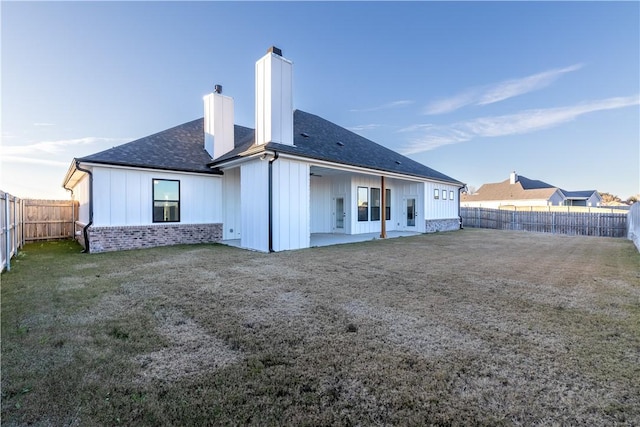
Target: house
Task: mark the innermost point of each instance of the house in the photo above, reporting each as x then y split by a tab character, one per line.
268	188
522	191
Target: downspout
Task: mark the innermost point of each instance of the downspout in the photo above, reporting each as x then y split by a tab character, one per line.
85	233
273	159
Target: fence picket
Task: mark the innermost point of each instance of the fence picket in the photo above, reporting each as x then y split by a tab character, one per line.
572	223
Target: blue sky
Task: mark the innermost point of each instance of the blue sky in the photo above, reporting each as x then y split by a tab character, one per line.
473	90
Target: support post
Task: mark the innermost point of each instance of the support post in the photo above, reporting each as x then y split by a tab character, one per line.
383	210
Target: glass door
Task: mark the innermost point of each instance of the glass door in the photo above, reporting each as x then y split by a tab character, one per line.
410	205
339	214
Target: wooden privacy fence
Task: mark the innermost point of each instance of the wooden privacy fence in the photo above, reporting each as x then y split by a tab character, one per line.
28	220
573	223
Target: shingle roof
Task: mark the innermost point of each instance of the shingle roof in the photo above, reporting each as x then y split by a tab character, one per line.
506	191
320	139
181	148
578	194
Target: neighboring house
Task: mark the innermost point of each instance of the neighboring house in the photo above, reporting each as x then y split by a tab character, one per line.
522	191
296	174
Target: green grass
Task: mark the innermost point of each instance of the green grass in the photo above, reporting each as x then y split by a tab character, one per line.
476	327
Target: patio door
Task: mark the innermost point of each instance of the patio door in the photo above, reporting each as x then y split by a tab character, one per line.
410	212
339	215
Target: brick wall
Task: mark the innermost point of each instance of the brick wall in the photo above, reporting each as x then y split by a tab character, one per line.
108	239
433	225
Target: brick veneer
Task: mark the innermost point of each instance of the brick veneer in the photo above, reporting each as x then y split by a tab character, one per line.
108	239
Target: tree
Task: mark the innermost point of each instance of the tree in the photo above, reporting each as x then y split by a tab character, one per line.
608	198
632	199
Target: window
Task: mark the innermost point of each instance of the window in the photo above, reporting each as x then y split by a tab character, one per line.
451	195
387	204
444	194
363	204
166	200
375	204
436	194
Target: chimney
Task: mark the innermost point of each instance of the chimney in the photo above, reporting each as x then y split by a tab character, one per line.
218	123
513	177
274	98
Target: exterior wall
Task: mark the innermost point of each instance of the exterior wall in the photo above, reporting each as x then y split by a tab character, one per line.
254	205
231	204
291	199
321	208
434	225
594	200
369	181
441	208
408	190
81	194
123	197
557	199
108	239
341	187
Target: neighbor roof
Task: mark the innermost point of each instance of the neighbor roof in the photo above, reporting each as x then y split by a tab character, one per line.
506	191
181	148
320	139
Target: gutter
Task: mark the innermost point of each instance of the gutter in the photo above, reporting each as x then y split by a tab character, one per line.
273	159
85	233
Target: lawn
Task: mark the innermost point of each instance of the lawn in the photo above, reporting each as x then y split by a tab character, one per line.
473	327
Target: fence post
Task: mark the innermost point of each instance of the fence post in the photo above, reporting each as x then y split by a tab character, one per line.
7	220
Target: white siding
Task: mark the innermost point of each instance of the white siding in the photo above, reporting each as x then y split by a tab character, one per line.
81	194
231	204
368	181
321	207
254	205
406	190
440	208
274	100
124	197
341	187
291	216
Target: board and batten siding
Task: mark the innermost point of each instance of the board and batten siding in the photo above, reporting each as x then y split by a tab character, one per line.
123	197
291	198
321	205
232	220
441	208
254	205
368	181
81	194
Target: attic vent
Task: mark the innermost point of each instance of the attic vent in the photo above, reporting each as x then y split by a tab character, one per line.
398	162
306	135
340	143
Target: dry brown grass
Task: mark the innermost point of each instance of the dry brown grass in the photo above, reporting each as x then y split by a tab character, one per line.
472	327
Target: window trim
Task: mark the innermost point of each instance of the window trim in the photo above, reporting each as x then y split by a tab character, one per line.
444	194
366	200
387	204
451	195
436	194
373	207
154	200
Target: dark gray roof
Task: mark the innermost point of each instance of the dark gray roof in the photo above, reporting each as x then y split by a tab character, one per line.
320	139
533	184
578	194
180	148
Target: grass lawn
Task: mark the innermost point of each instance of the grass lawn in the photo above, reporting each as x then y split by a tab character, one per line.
479	327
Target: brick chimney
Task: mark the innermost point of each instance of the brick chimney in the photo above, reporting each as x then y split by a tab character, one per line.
274	98
218	123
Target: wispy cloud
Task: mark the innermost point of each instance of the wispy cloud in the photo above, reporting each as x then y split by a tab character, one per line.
497	92
31	160
387	106
51	147
360	128
44	124
519	123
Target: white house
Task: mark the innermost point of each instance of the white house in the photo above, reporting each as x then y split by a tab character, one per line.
271	187
522	191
